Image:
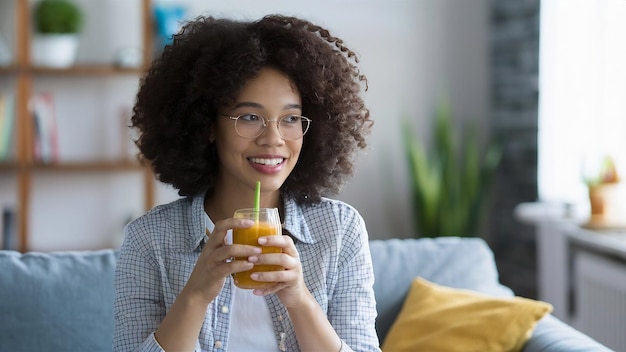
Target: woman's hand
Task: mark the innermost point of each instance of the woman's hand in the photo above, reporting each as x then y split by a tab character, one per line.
290	287
313	330
215	262
181	326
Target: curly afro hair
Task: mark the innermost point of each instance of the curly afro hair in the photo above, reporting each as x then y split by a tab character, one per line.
206	66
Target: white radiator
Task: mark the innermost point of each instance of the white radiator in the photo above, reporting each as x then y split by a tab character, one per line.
600	302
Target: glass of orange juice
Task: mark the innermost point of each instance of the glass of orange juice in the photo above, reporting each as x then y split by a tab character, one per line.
266	223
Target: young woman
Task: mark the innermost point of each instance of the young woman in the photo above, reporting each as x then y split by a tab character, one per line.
228	104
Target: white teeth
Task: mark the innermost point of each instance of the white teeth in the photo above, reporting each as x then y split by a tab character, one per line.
269	162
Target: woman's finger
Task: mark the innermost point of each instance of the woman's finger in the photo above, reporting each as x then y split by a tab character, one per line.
216	238
226	253
282	276
284	242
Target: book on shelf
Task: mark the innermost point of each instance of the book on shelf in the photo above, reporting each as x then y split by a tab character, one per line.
45	137
7	123
9	229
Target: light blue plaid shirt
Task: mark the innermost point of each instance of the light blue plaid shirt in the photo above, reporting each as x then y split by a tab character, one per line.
161	248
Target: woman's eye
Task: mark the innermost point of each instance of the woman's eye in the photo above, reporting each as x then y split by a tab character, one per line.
291	119
250	117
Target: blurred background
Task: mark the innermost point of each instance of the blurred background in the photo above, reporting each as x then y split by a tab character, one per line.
543	81
412	53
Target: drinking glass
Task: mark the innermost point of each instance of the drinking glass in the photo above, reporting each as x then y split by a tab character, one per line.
266	223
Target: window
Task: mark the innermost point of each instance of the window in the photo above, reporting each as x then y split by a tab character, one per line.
582	85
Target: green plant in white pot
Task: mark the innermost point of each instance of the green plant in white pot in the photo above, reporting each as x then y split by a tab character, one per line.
450	179
57	24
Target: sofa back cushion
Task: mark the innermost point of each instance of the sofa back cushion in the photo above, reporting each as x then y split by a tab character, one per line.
59	301
63	301
450	261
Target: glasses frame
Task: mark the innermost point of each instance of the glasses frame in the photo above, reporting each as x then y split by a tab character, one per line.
266	122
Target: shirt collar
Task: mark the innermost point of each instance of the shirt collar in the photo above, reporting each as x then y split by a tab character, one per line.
294	223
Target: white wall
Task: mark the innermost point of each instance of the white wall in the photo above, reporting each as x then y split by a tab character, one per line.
412	52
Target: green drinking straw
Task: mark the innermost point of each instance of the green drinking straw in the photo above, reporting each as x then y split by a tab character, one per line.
257	200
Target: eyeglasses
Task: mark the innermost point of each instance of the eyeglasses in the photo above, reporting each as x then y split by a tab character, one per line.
290	127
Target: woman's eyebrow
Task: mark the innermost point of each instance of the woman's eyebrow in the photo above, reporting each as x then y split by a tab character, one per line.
293	106
249	104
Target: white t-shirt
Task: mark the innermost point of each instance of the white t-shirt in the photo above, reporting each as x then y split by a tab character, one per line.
251	327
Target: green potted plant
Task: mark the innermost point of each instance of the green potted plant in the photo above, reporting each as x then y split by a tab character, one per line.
57	24
450	182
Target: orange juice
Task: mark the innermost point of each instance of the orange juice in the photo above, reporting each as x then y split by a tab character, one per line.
250	236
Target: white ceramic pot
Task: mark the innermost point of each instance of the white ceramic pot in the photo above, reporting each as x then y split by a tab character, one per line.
608	205
54	50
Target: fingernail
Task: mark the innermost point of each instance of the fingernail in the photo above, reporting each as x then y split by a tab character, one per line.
247	222
253	259
262	240
257	250
254	276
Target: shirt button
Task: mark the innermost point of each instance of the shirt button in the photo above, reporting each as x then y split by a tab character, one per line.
225	309
218	344
280	317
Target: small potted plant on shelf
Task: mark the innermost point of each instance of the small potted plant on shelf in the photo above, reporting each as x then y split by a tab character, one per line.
56	24
607	197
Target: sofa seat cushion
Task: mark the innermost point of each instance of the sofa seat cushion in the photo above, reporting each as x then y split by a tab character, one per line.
59	301
439	318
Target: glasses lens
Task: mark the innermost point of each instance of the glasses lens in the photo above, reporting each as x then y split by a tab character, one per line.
293	126
249	125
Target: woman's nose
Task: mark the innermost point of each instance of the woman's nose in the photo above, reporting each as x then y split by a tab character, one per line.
271	134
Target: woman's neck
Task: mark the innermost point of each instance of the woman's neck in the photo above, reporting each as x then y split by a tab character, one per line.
223	203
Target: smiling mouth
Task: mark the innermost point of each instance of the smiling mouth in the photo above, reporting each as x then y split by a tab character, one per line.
267	161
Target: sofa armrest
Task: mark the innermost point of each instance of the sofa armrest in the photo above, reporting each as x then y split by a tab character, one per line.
553	335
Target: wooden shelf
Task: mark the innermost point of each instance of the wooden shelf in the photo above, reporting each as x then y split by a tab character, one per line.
9	70
77	70
23	168
8	167
91	166
87	70
96	166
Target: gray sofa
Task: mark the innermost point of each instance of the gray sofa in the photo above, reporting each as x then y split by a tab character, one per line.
63	301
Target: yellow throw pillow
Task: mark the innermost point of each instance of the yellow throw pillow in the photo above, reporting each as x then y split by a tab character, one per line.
437	318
